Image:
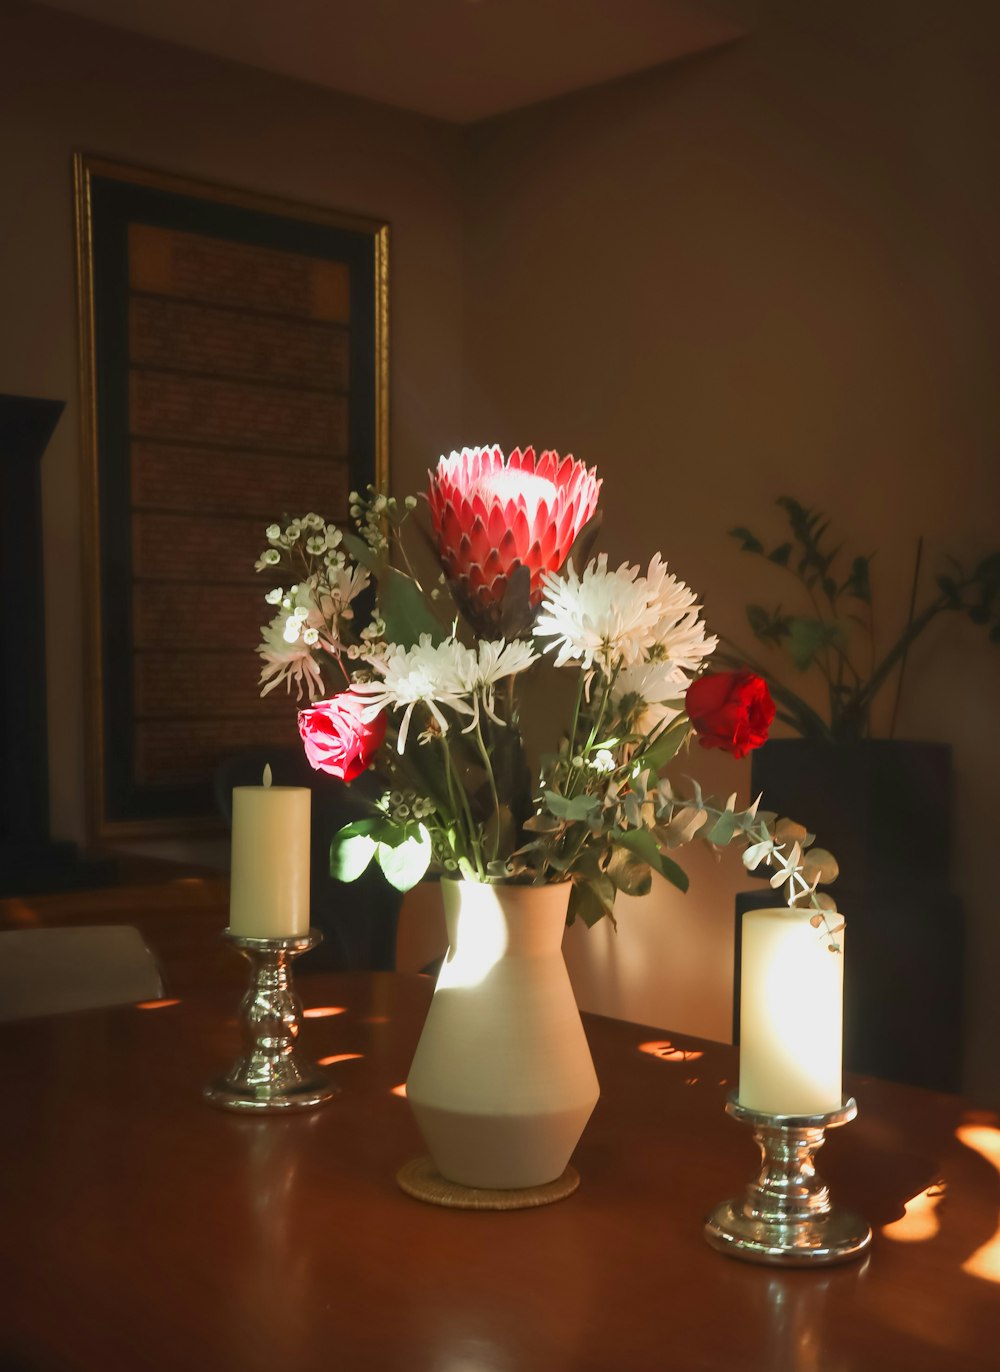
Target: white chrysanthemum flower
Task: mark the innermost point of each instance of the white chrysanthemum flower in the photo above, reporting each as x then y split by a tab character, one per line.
681	637
610	618
428	673
642	691
494	660
442	674
497	659
288	663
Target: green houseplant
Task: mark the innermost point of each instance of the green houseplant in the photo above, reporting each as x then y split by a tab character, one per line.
832	630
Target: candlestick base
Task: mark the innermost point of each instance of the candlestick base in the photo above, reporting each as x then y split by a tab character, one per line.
785	1217
268	1077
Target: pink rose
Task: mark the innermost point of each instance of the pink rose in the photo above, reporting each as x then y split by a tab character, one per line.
336	737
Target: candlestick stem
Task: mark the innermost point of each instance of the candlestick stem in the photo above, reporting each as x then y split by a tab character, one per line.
786	1217
268	1076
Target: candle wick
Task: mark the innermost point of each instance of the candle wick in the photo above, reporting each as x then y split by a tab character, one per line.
267	774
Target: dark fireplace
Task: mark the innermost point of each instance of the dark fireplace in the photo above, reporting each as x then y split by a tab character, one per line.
29	860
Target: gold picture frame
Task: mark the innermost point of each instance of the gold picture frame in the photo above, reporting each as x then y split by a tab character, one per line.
245	239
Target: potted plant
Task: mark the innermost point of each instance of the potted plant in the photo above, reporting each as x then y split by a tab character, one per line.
426	687
870	797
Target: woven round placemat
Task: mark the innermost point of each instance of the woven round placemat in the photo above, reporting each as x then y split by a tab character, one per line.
421	1179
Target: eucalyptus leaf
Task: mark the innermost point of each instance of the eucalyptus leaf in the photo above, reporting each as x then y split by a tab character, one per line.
592	899
542	824
629	873
644	845
754	855
723	829
575	808
790	831
820	866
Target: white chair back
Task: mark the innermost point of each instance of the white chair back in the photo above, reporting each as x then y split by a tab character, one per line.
52	971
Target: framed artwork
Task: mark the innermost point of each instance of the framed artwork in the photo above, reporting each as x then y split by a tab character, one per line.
234	367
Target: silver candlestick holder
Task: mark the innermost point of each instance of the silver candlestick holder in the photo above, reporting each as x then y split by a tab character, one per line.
785	1216
268	1076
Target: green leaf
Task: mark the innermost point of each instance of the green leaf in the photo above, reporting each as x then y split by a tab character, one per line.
583	544
592	899
661	750
644	845
723	829
516	611
751	544
404	859
542	824
629	873
577	808
353	848
808	637
360	551
781	554
406	611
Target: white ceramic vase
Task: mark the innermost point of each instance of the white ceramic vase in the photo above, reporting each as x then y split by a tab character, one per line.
502	1082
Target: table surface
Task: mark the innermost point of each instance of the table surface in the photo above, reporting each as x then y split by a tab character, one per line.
143	1229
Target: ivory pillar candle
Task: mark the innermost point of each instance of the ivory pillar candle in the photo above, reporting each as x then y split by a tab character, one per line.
269	890
791	1015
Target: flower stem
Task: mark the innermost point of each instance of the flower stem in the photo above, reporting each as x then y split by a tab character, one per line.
493	787
455	783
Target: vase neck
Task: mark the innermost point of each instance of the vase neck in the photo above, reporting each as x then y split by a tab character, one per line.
513	921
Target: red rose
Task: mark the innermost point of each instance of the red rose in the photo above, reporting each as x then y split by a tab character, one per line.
730	710
337	738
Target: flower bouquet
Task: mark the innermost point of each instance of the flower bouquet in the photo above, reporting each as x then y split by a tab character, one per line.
429	681
423	686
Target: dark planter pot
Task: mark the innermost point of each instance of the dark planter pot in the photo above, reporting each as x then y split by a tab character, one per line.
883	808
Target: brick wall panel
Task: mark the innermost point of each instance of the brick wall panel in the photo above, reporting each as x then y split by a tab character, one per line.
265	485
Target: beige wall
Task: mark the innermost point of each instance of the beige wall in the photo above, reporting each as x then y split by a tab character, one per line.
67	84
769	270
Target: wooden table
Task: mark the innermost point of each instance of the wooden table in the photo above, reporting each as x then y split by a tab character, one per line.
143	1230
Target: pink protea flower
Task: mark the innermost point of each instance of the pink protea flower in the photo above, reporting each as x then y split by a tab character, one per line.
493	514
